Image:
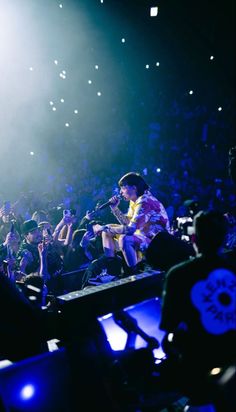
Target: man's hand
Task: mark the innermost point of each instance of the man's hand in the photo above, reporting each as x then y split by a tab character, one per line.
90	215
42	248
10	240
114	202
86	239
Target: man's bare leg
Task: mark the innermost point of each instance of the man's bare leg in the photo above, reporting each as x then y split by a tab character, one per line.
108	244
127	246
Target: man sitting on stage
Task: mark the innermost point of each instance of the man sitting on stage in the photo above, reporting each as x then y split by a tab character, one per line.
145	218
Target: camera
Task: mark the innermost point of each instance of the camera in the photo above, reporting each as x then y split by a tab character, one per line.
185	227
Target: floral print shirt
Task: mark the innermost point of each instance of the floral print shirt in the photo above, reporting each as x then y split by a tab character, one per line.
148	215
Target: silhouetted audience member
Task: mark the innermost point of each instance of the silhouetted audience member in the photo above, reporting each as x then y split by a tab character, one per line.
199	311
23	330
82	250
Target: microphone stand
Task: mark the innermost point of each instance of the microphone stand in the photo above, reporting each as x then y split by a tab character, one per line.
130	325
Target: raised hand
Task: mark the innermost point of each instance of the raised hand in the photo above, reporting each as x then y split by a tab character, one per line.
114	201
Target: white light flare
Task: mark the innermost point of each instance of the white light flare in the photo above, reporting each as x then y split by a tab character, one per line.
153	11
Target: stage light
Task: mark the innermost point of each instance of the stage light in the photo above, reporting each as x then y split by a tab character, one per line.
212	58
67	124
219	109
31	69
31	153
170	337
64	72
99	93
60	5
157	64
215	371
51	103
190	91
27	392
123	40
147	66
56	62
32	298
76	111
153	11
89	81
101	1
96	66
158	170
62	100
54	108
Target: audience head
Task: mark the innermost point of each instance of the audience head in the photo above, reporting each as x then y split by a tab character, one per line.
39	216
211	228
77	237
31	232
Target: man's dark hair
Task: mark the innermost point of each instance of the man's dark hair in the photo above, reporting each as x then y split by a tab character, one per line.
211	228
134	179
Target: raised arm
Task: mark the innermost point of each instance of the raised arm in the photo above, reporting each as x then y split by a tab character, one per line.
120	216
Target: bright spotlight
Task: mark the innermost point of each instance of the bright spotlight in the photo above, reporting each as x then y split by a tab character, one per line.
147	66
67	124
51	103
215	371
62	100
158	170
96	66
56	62
76	111
99	93
27	392
31	69
190	91
123	40
89	81
31	153
153	11
54	108
157	64
219	109
212	58
60	5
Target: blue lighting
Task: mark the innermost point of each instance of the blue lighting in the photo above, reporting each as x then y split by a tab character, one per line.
27	392
147	314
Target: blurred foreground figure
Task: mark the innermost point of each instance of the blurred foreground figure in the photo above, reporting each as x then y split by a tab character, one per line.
22	324
199	312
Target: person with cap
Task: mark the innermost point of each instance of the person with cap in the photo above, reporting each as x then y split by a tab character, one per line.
145	218
28	254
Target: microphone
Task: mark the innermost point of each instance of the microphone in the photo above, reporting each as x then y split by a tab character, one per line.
108	203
